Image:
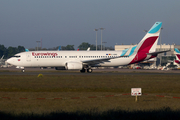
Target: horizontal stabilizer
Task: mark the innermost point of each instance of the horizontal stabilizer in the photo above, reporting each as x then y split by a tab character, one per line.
169	61
156	53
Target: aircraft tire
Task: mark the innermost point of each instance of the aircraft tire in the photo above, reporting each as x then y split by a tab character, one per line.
89	70
23	70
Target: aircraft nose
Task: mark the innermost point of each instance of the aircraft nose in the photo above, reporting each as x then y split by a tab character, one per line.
9	61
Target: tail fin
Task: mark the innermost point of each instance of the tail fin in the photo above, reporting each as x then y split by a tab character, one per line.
177	53
88	49
177	56
177	61
147	44
59	48
176	50
2	57
26	50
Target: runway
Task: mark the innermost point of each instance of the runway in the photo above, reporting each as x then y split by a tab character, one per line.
115	71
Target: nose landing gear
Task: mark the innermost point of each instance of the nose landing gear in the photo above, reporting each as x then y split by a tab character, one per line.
89	70
23	70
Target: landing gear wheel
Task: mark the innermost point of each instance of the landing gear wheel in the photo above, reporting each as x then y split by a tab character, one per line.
23	70
89	70
83	70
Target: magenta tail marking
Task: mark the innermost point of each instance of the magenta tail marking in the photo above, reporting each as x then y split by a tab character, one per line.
145	47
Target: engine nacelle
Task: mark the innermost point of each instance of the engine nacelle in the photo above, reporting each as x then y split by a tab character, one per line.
60	68
73	66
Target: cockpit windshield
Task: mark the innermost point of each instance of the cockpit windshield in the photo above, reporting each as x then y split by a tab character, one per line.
17	56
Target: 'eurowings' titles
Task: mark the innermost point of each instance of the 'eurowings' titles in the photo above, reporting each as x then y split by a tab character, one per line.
44	54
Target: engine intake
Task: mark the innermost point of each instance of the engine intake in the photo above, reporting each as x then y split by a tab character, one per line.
73	66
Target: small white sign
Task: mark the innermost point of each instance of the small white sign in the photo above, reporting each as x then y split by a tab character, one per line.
136	92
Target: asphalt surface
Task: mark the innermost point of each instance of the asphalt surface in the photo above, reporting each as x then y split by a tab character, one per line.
110	71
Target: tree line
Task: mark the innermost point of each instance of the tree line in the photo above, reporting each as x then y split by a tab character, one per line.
82	46
10	51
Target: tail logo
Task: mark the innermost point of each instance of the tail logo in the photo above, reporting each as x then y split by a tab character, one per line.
178	56
145	47
136	58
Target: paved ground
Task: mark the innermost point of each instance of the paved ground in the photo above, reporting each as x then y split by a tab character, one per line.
117	71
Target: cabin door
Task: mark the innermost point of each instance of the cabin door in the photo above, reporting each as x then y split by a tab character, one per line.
28	57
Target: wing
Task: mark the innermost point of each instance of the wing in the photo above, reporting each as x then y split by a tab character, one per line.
97	61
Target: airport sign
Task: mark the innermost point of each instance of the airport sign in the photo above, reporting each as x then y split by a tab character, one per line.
136	91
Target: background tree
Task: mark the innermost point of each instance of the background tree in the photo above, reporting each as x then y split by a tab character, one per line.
68	47
12	51
92	47
84	46
3	51
20	49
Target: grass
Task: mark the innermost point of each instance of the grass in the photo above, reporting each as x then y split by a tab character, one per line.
163	113
69	86
166	84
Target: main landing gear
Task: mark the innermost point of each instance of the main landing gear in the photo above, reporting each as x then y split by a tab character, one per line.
23	70
89	70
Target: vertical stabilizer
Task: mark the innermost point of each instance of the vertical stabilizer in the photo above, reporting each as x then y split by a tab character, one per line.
176	50
147	44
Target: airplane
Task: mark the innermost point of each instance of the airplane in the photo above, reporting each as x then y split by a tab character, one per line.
1	60
59	48
177	53
85	60
88	49
2	63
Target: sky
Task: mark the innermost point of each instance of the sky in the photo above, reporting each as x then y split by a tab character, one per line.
71	22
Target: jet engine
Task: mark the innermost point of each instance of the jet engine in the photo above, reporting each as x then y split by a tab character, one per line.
73	66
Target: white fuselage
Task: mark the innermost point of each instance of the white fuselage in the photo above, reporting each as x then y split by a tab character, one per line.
60	58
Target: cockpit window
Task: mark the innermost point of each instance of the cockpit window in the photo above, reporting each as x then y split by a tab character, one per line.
17	56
